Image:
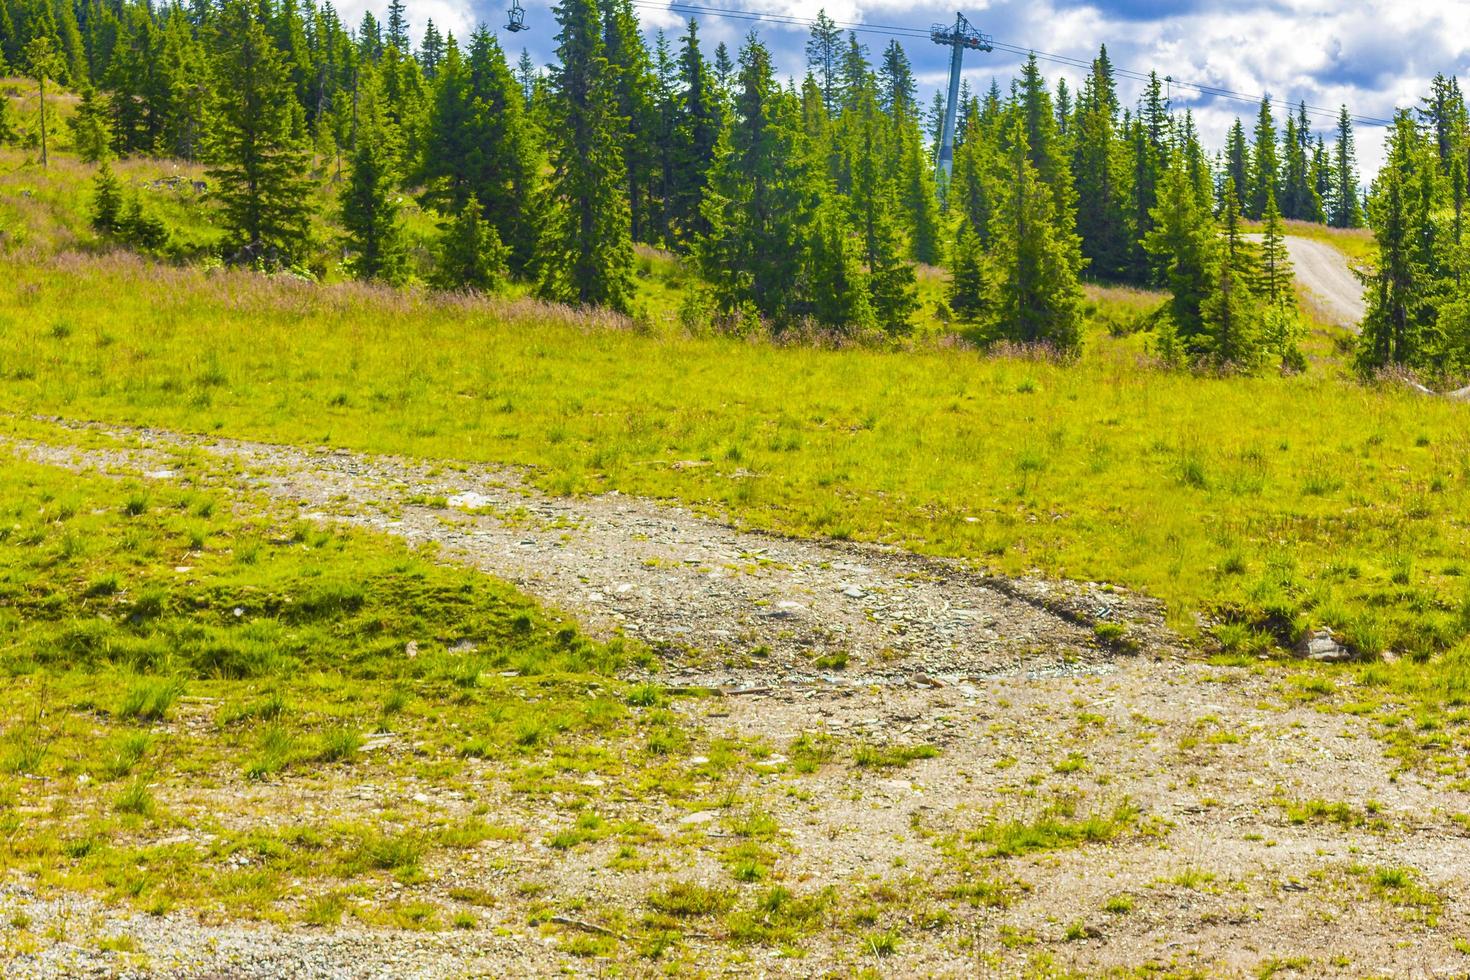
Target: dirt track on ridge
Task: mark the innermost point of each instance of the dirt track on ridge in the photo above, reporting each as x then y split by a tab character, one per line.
1326	275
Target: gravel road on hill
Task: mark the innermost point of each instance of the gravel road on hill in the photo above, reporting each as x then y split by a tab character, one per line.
724	606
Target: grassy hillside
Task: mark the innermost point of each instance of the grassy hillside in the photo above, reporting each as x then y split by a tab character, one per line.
1282	502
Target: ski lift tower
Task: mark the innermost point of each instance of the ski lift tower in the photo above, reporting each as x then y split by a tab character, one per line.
957	37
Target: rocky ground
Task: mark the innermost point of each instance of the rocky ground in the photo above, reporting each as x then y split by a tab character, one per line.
1101	800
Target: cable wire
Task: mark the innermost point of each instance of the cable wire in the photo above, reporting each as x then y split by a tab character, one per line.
787	20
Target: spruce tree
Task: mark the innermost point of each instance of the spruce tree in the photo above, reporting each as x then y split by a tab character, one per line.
1097	174
1276	275
470	253
106	200
1347	210
478	142
761	200
971	292
1400	286
896	85
921	204
1237	158
398	26
634	85
1182	246
698	121
890	276
259	161
186	87
1036	256
43	63
724	69
431	49
839	289
1265	168
1232	313
369	199
587	251
91	128
824	60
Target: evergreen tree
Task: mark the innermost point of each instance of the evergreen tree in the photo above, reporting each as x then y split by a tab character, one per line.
1264	166
724	69
761	200
1036	256
1237	158
896	85
698	121
43	64
526	75
633	83
1096	167
470	253
91	128
824	59
1347	211
587	250
971	290
259	162
398	26
921	204
431	49
186	90
1044	141
1231	315
1275	265
874	202
106	200
839	288
1322	179
1444	113
369	200
478	143
1400	287
856	76
1182	245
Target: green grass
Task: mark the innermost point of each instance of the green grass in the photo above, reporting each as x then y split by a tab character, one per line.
1059	827
148	703
1192	489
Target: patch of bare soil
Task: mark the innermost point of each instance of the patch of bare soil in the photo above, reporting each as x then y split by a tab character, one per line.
1080	811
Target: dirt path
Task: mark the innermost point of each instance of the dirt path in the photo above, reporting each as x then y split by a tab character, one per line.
724	606
1324	272
1262	832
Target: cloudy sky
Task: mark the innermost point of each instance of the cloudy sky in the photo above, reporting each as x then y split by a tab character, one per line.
1372	55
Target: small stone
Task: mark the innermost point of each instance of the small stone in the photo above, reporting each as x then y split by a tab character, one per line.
411	649
1322	647
703	816
853	592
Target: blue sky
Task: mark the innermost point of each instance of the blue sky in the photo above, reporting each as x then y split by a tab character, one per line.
1372	55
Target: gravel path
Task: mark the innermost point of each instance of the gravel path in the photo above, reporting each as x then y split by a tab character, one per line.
1325	273
726	607
1030	714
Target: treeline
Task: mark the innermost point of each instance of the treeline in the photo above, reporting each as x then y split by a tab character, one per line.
795	203
1419	292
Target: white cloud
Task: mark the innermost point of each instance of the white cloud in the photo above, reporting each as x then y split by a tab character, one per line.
1372	56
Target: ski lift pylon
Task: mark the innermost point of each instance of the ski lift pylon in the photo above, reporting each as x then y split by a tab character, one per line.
517	20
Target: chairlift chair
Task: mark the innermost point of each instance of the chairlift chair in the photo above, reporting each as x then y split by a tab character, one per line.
517	17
